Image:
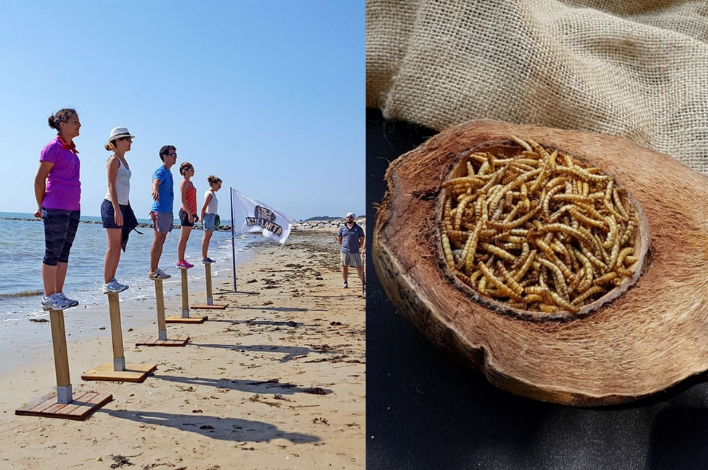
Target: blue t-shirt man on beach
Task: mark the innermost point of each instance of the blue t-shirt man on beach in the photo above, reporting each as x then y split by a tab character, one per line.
163	197
165	189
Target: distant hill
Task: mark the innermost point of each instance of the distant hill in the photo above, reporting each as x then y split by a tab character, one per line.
322	217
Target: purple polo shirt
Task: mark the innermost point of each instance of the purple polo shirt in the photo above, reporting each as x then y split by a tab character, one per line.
63	185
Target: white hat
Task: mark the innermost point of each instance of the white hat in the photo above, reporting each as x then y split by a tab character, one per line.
118	132
351	214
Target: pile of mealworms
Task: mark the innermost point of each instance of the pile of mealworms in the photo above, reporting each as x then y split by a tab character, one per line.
537	231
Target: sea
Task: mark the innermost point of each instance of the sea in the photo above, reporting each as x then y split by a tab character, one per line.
22	250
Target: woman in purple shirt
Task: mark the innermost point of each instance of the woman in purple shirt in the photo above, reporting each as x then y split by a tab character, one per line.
58	191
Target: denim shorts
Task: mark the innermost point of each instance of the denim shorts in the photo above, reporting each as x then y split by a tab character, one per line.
208	221
59	231
107	214
184	219
162	221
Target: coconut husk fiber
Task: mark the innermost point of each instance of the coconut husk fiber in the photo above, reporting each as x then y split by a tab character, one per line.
649	338
632	68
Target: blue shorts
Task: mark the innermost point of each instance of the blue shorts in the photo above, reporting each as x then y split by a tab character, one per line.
107	214
59	231
208	222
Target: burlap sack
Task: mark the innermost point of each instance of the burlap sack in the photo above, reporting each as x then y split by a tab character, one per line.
638	69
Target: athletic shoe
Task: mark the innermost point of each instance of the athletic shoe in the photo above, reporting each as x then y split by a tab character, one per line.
208	261
184	265
72	302
158	274
345	285
54	302
113	287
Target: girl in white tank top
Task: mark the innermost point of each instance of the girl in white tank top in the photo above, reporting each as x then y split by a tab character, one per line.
209	214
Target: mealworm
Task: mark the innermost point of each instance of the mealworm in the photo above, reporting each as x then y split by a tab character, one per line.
571	214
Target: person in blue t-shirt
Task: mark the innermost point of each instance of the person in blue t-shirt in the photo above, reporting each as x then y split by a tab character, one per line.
351	238
161	211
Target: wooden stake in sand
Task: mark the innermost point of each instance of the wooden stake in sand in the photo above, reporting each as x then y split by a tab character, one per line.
210	299
118	371
63	404
161	339
185	318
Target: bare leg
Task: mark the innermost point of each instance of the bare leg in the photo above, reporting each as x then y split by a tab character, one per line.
62	268
182	244
49	276
360	271
156	249
345	273
110	262
205	243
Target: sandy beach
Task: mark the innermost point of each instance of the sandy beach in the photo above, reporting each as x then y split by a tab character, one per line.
274	381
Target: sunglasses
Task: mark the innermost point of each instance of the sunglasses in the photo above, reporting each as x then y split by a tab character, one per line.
129	139
171	155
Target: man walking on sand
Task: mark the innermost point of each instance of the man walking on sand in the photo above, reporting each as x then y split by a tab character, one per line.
351	238
161	211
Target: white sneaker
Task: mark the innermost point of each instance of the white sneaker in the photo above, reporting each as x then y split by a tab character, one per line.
158	274
113	287
72	302
345	285
54	302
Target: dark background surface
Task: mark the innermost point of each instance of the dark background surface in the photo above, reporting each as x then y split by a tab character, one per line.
426	412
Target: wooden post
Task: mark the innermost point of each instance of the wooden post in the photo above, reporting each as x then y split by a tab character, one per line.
160	297
61	358
62	405
161	339
116	332
210	298
185	294
119	370
209	305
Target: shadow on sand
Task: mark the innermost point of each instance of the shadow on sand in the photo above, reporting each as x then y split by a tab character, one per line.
250	386
291	352
227	429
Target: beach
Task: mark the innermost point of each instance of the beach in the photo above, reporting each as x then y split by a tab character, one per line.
274	381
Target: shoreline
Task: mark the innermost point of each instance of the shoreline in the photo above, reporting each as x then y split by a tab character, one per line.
246	387
324	225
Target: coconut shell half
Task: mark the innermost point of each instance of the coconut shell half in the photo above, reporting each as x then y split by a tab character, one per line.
649	336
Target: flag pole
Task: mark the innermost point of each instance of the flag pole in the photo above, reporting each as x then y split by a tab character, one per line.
233	247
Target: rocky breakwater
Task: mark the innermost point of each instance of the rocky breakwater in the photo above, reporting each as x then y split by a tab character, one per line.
325	225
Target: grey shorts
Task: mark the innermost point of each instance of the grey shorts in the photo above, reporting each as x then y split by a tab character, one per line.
162	221
350	259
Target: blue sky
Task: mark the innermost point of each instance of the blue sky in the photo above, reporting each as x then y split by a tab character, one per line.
267	95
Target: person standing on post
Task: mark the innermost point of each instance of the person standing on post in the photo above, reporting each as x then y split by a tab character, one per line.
351	237
209	215
58	192
115	209
187	213
161	211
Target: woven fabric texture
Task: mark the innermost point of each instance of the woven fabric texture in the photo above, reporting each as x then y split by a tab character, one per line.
637	69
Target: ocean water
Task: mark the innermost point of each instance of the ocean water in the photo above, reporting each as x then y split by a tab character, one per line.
22	250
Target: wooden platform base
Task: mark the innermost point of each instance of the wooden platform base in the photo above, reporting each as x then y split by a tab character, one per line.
83	406
200	319
209	307
132	373
155	341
